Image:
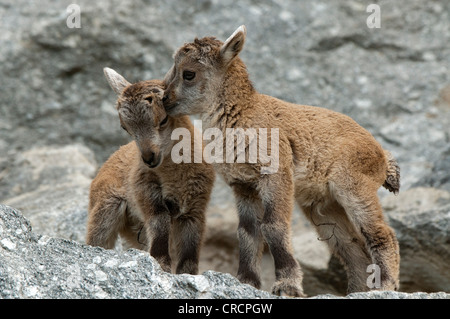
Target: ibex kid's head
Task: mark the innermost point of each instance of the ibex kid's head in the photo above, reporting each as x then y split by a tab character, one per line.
198	71
142	115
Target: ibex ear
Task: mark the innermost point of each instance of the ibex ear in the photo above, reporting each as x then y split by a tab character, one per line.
169	76
115	80
233	45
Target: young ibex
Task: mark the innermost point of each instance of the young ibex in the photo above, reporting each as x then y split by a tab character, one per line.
331	166
140	193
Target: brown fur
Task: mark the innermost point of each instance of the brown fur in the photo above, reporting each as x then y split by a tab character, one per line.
146	204
329	164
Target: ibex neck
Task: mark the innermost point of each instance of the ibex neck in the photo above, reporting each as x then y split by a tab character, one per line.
234	96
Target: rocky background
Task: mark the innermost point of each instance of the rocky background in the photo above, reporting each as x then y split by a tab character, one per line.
58	125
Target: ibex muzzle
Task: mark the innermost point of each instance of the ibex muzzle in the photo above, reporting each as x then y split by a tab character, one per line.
151	156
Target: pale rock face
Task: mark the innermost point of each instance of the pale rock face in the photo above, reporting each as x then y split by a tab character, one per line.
58	124
45	267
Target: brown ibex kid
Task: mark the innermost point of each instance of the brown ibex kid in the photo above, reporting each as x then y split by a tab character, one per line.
140	193
328	163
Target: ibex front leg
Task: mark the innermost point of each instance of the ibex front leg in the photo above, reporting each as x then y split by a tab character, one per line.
158	230
249	233
156	223
189	229
277	197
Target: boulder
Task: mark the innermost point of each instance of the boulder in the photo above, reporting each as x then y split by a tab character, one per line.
421	219
51	184
57	116
55	181
310	52
388	295
41	267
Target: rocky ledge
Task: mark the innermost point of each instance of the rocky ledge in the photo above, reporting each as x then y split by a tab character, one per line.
39	266
58	124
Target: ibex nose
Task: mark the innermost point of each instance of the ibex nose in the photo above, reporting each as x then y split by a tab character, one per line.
165	97
149	159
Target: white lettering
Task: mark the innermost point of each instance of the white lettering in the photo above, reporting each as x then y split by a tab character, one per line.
374	280
74	18
246	308
374	20
195	309
183	146
250	144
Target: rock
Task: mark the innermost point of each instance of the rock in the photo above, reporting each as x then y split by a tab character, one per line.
421	219
58	70
46	165
56	183
388	295
51	184
37	266
394	81
316	52
439	176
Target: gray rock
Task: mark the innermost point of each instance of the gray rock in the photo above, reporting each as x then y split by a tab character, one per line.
394	81
56	183
51	184
315	52
39	266
51	187
439	176
389	295
421	219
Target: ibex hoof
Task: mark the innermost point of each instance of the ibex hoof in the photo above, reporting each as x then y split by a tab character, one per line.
287	288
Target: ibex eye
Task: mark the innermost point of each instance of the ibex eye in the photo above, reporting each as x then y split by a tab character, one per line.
124	128
188	75
149	99
164	121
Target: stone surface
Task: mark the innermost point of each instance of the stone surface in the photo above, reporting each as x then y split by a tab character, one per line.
389	295
51	184
58	122
421	219
38	266
310	52
52	187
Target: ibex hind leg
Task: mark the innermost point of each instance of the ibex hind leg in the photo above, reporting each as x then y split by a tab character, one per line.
105	220
364	210
336	230
135	234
